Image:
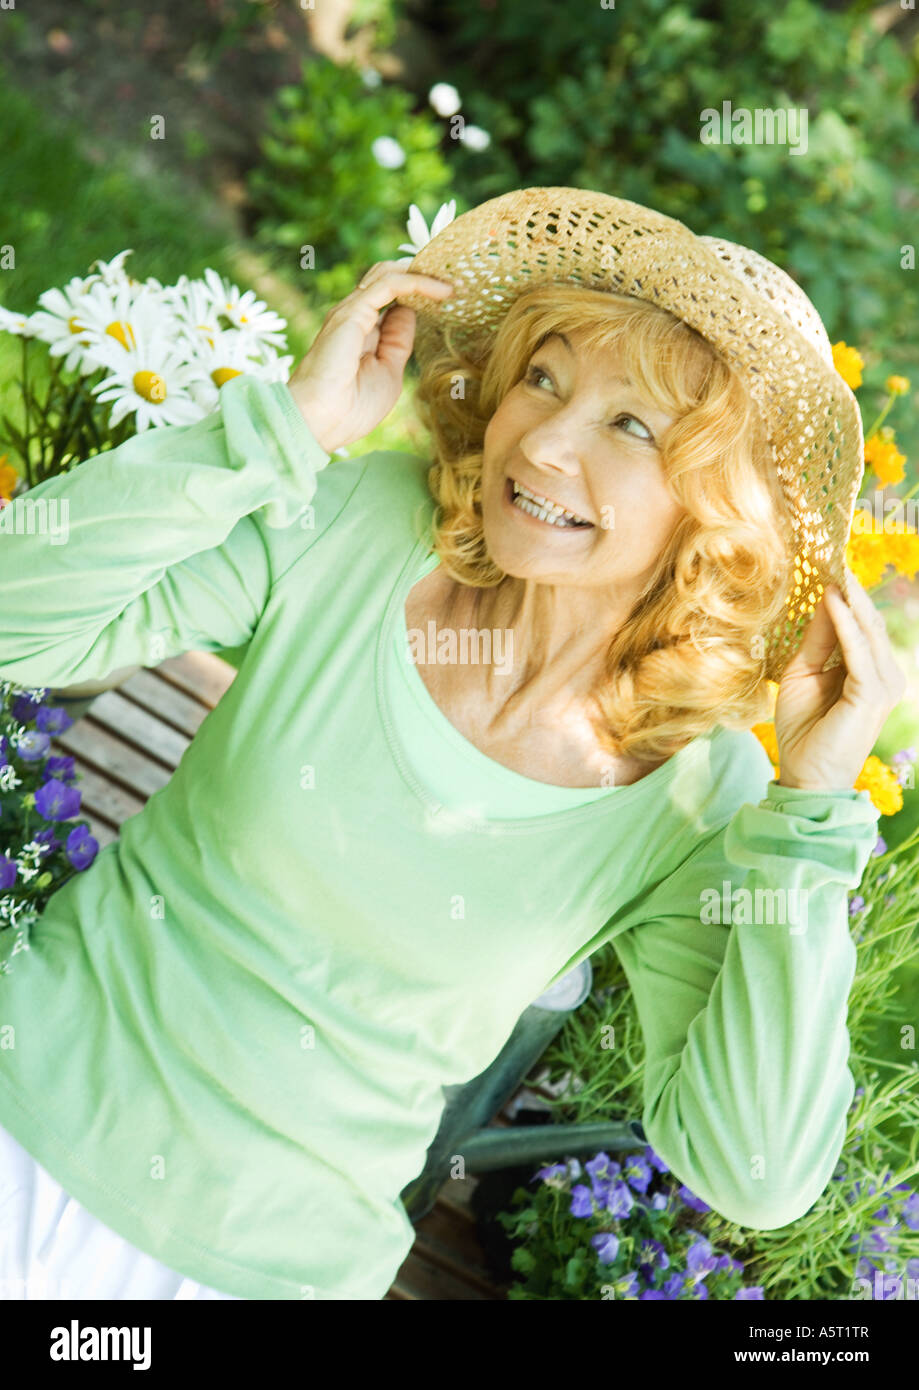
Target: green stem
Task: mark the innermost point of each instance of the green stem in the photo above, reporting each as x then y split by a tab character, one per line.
876	1061
881	418
74	405
25	406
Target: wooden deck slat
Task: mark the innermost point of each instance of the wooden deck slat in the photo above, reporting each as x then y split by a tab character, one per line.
202	675
419	1278
105	799
453	1246
166	701
125	748
101	831
98	748
137	726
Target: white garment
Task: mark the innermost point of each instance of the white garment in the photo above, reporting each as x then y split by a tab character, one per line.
52	1248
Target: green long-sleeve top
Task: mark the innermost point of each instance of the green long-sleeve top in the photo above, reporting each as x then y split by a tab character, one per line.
230	1034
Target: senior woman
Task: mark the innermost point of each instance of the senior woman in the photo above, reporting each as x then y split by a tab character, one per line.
231	1034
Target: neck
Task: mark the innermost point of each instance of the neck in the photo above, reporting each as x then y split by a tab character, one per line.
559	634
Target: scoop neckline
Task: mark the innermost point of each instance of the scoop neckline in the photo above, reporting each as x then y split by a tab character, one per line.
600	806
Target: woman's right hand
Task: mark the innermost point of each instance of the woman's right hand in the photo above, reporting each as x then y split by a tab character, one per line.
352	375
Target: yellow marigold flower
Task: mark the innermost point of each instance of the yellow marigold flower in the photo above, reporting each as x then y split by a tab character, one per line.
903	551
867	556
765	732
882	454
848	363
897	385
8	478
880	782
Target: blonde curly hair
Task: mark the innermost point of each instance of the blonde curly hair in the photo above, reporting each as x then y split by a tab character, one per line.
689	655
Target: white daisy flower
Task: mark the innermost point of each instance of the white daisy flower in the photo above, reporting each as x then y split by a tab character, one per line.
112	272
444	98
246	312
387	152
218	361
151	381
115	317
273	367
11	322
196	310
475	137
59	322
417	228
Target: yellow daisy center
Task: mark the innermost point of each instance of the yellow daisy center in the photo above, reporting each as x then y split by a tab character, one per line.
122	332
223	374
75	325
150	386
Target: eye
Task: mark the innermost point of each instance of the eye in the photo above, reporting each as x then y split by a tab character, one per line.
533	376
535	372
647	433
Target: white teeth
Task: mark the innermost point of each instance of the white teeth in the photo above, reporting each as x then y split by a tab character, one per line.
542	508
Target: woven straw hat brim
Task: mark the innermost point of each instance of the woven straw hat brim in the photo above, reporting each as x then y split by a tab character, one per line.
750	311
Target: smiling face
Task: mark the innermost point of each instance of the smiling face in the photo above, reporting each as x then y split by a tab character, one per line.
573	436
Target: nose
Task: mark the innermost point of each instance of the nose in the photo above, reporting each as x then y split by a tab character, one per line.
549	448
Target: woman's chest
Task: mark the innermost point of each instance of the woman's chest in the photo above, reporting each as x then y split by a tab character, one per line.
556	742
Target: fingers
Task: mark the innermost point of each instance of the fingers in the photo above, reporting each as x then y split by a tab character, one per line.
379	268
395	337
865	645
871	621
385	280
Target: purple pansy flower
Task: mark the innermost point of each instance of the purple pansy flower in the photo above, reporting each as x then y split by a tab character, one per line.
910	1212
48	838
653	1256
581	1201
53	719
82	847
23	709
620	1200
628	1285
62	768
554	1170
699	1258
7	872
33	745
691	1200
637	1173
606	1245
56	801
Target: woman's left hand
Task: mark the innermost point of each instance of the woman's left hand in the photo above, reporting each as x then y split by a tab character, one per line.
827	722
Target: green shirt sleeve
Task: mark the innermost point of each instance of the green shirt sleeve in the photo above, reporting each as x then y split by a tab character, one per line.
743	1006
166	543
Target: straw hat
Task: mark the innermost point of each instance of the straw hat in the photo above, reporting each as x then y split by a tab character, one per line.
752	313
